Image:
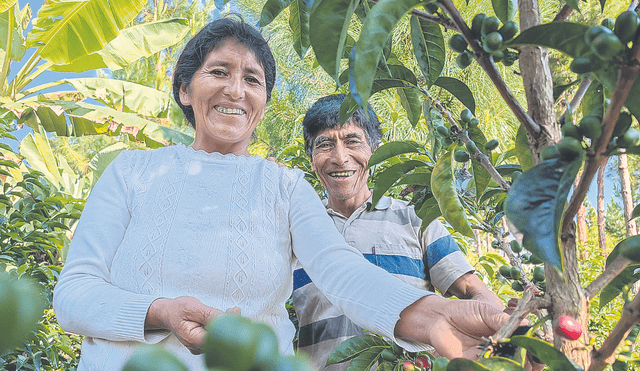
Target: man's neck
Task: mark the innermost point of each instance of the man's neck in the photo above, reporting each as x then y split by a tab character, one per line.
347	207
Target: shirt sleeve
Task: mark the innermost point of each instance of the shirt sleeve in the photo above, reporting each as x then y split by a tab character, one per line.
444	260
85	301
367	294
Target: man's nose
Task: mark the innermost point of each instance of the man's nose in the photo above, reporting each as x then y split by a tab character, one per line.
340	156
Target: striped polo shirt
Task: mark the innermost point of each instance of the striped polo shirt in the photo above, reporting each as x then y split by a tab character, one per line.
390	237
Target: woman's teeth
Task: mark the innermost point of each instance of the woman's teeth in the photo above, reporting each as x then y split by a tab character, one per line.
230	111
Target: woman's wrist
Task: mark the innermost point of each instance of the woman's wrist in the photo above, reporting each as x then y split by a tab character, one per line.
156	315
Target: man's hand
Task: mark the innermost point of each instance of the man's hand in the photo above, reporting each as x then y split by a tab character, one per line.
454	327
185	317
273	159
470	286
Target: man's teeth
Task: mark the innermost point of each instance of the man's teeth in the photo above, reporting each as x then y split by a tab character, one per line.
342	174
230	111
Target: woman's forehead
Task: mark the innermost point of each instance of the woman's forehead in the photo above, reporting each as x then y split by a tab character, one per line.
215	56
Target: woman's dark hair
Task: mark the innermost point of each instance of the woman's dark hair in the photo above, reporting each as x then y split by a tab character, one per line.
212	35
325	114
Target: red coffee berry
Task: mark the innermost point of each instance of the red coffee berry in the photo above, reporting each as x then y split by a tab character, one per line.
424	362
568	327
409	366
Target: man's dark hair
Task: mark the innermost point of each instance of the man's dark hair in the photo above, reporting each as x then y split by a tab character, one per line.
210	37
325	114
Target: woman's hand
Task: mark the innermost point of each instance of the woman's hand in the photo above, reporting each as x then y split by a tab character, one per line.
454	327
186	317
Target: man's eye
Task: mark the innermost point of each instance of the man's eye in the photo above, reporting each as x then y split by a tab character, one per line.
218	72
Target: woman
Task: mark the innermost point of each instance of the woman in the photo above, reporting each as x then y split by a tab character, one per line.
172	237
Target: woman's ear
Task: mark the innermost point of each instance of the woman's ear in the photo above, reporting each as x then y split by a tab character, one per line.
185	99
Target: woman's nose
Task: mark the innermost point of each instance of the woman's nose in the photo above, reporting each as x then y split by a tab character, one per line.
234	88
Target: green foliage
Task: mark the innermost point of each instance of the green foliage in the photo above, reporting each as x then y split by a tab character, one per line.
154	357
331	19
428	46
75	37
58	22
535	205
444	190
545	352
363	351
629	248
34	237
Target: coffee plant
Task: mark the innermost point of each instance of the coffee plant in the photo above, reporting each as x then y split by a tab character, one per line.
532	184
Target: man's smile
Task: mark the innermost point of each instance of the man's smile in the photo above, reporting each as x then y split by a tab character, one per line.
230	111
342	174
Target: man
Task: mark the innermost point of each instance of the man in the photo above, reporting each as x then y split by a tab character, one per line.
388	236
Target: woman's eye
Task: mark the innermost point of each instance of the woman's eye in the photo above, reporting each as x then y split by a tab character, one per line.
253	80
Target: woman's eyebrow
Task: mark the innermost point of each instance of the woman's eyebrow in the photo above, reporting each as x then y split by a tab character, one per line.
223	63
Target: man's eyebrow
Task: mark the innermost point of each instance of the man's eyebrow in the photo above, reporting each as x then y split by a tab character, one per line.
320	139
353	135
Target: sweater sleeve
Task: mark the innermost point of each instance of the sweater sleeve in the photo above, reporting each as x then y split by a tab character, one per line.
85	301
367	294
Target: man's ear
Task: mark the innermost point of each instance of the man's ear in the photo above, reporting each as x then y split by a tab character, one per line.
313	166
185	99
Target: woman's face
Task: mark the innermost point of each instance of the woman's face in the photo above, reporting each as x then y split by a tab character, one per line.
228	95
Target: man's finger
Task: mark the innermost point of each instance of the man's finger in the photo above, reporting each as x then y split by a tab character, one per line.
493	318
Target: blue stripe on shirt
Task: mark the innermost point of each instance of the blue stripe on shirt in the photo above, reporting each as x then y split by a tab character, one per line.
398	264
395	264
300	278
440	248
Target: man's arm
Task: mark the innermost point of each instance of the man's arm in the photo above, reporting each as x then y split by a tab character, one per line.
469	286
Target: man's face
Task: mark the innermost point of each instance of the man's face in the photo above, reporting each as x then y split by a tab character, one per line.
340	158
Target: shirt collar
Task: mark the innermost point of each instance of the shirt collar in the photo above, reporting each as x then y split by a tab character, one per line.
383	204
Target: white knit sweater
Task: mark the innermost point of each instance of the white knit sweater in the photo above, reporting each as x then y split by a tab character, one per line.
225	229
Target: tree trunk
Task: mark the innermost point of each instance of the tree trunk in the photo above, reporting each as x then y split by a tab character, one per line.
568	298
601	232
488	241
627	193
538	85
581	217
566	295
505	227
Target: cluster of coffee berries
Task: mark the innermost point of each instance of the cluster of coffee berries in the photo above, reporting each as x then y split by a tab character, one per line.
466	120
491	35
515	274
396	358
606	41
590	127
